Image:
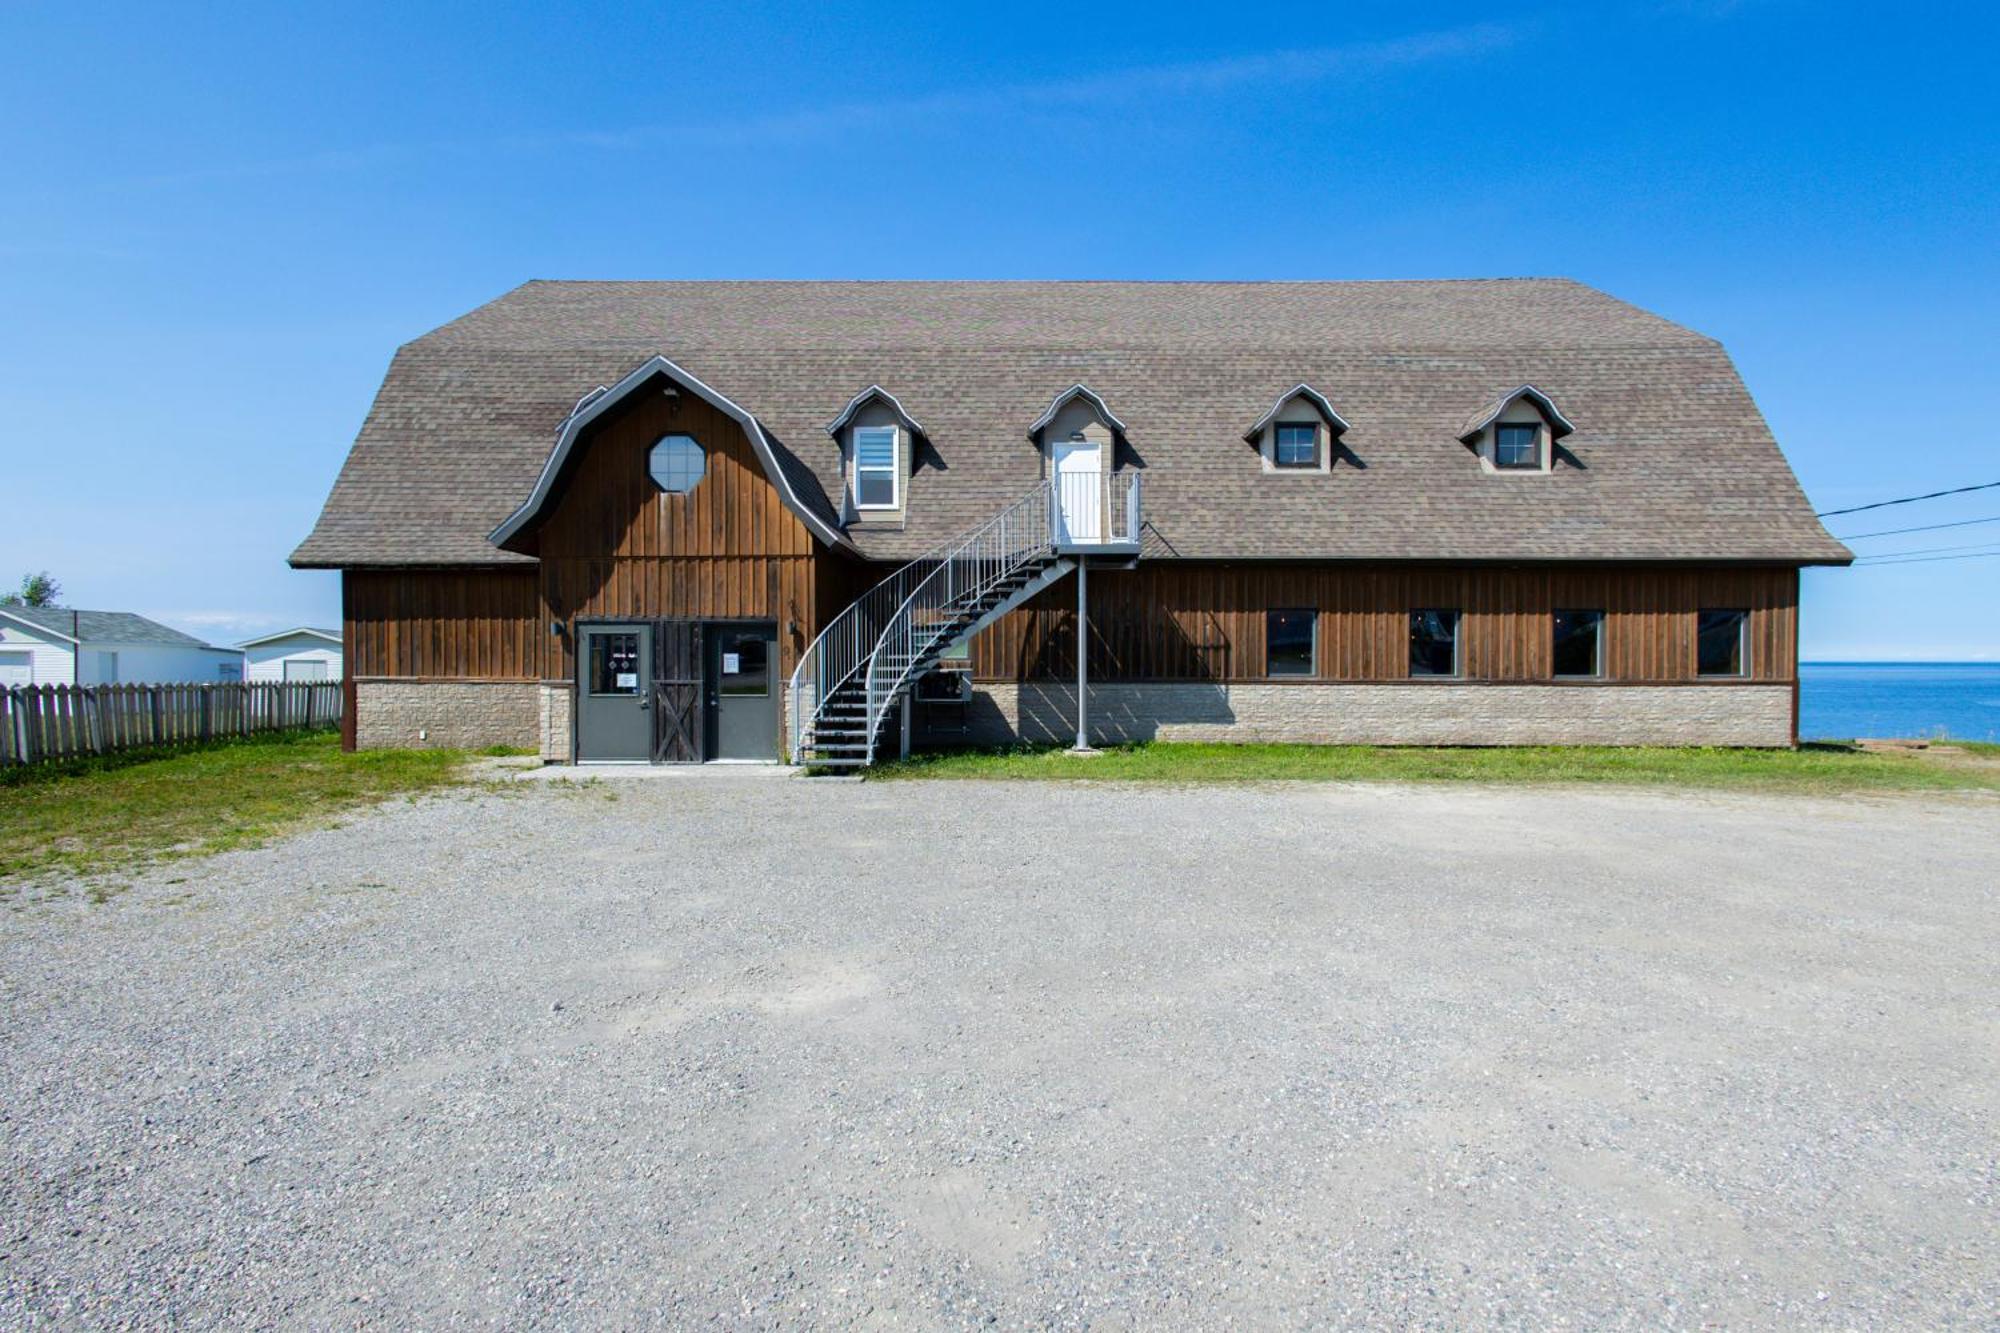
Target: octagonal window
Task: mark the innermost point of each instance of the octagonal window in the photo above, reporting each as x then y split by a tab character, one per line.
677	463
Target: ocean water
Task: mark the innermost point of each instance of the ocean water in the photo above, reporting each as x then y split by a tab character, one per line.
1840	700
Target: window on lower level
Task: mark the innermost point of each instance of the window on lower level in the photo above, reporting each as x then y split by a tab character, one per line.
1517	445
1433	643
1288	642
1719	643
614	663
1579	643
1295	444
875	470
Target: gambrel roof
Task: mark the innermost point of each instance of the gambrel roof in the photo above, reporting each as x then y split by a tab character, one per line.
1667	457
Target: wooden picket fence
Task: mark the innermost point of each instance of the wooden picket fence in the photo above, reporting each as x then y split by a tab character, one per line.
42	722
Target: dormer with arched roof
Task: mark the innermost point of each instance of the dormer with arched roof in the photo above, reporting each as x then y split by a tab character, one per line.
878	440
1299	434
1517	432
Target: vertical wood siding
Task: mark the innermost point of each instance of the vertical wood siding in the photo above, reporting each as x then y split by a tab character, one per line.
1186	621
458	623
616	545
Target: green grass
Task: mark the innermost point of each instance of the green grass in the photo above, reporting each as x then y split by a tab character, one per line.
112	814
1819	768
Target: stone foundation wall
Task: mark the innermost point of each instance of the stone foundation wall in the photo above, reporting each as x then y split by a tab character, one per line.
557	708
455	715
1415	714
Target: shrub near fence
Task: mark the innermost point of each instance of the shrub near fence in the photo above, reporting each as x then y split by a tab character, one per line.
40	722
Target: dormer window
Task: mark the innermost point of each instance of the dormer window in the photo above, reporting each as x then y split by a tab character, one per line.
876	473
879	444
1296	435
1517	444
1296	445
1516	432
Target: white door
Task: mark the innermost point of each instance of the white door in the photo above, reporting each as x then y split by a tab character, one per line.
1079	468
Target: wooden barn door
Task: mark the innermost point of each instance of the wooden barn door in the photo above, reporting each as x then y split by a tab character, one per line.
677	714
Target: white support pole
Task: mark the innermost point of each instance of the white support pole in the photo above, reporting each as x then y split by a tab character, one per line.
1082	653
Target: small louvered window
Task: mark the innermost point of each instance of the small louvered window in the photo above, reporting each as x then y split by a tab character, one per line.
875	478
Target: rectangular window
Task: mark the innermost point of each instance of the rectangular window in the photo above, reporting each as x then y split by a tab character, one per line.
1433	643
875	471
304	668
1579	643
614	663
1296	445
1517	445
1288	642
746	663
1719	643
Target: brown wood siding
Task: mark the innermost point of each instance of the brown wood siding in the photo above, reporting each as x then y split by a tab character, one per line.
475	624
616	545
1187	621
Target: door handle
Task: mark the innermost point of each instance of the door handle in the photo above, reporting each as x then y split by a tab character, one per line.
645	702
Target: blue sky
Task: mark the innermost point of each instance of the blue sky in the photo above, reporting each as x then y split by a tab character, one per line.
216	223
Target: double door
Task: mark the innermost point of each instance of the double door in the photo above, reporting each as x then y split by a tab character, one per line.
676	691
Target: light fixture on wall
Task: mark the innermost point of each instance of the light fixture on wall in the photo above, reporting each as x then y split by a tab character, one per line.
555	628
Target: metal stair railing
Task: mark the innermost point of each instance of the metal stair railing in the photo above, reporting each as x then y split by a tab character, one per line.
840	653
844	652
1017	537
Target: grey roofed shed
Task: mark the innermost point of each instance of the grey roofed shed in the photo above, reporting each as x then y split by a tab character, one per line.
1668	459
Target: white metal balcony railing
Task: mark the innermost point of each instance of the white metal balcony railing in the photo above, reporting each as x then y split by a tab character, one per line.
1095	509
872	652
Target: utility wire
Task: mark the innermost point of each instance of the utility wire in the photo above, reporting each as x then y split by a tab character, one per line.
1923	560
1928	527
1908	499
1927	550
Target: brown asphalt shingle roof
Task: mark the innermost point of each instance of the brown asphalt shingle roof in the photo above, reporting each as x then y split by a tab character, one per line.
1670	459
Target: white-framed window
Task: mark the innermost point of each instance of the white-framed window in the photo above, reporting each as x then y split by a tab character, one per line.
877	478
305	668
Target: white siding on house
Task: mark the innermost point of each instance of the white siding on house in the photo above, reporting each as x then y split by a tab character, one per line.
159	663
48	656
267	661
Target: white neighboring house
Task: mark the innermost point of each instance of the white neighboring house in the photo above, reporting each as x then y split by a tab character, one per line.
46	645
294	654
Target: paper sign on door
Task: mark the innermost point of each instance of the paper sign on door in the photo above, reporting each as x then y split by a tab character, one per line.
628	680
732	663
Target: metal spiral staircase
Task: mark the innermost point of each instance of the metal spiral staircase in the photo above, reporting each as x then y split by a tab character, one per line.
860	670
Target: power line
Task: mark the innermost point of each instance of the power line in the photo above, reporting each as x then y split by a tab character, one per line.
1908	499
1927	550
1923	560
1928	527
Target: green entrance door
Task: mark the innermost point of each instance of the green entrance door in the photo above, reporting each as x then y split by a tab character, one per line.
742	691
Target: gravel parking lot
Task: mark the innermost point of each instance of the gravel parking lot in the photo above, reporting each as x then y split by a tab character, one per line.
791	1053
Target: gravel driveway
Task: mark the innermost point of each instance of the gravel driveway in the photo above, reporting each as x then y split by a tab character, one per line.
794	1053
